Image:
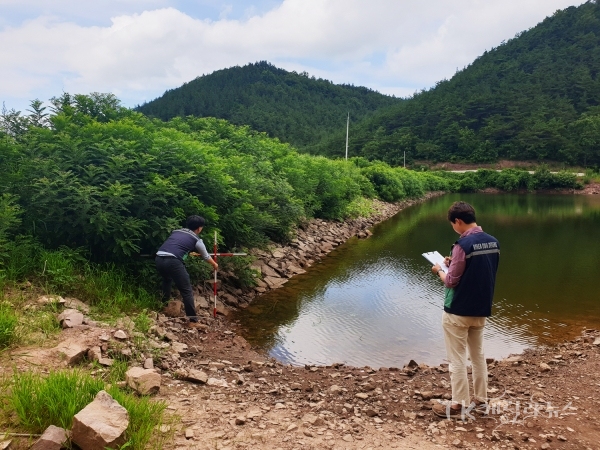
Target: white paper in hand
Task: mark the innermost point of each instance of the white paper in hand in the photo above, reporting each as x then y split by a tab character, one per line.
435	258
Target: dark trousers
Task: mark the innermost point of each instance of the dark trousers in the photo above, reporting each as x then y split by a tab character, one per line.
173	270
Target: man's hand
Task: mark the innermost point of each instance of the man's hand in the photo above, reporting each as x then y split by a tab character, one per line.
435	269
447	260
214	263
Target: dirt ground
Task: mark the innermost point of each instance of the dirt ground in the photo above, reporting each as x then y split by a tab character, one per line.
546	398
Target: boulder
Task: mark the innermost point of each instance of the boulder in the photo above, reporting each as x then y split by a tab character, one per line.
52	439
179	347
196	376
174	309
70	318
274	282
125	323
94	353
100	424
74	303
51	299
200	302
72	351
120	335
216	382
229	299
143	381
221	308
267	271
313	420
239	341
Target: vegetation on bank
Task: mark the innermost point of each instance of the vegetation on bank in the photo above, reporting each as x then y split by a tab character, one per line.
295	108
88	187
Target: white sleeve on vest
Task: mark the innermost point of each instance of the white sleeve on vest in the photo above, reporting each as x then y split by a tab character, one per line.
201	248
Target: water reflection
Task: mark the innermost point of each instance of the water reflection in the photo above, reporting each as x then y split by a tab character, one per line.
375	303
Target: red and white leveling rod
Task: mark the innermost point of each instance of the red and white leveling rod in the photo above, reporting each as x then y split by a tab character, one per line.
215	254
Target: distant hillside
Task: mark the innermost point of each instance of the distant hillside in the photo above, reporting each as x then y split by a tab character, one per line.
536	96
293	107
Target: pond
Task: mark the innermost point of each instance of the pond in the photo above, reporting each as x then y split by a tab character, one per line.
376	303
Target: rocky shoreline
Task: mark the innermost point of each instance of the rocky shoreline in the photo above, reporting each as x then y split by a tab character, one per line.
276	265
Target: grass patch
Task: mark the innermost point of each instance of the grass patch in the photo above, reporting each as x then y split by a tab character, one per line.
8	326
117	371
112	291
142	322
52	400
144	416
31	402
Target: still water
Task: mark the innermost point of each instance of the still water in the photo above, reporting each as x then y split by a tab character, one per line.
375	302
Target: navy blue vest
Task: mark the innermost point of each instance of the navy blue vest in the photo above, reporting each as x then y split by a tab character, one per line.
180	243
474	293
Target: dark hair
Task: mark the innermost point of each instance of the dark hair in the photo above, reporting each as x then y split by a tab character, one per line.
194	222
462	211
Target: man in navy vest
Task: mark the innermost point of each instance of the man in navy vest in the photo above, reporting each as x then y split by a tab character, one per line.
469	292
169	263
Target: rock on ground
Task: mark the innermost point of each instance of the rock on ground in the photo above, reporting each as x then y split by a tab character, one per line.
52	439
100	424
143	381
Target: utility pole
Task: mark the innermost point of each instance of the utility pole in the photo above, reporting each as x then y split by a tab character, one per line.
347	128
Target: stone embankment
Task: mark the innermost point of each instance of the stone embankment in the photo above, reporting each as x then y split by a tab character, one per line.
276	265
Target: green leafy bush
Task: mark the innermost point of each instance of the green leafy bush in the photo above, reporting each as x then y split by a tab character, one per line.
387	181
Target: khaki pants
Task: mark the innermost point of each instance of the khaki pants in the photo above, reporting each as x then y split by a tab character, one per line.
462	333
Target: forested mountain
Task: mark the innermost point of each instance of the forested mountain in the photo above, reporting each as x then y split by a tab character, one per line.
293	107
536	96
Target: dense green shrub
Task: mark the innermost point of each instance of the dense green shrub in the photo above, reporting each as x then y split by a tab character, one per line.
9	220
386	180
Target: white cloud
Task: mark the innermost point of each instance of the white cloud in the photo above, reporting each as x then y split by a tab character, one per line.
139	55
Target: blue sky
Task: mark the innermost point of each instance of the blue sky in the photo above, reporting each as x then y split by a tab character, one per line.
137	49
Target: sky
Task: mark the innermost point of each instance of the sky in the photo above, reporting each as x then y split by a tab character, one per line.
137	49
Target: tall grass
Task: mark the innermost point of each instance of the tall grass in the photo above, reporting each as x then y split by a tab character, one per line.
33	402
8	325
145	415
53	400
111	289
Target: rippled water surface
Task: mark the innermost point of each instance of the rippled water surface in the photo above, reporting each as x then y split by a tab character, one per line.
375	302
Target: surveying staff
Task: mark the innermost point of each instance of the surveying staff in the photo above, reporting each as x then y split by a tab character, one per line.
468	299
169	263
